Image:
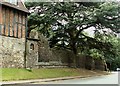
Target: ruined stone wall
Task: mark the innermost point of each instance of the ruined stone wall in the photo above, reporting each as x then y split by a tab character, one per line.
32	54
63	56
99	64
45	53
32	50
89	63
52	56
12	51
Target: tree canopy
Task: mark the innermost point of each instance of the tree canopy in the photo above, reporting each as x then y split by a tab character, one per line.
64	23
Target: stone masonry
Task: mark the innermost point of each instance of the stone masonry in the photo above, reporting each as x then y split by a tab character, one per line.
12	51
32	54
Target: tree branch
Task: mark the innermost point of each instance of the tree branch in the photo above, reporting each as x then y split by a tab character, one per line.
83	29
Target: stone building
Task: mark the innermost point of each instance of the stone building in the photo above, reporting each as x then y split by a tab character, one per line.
13	26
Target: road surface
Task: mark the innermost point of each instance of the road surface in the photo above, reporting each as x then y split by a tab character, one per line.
105	79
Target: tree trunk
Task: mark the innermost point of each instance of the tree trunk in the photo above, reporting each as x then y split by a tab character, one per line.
73	45
74	49
106	68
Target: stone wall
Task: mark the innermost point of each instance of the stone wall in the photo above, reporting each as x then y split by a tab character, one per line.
99	64
12	51
45	53
52	56
32	50
39	54
32	54
63	56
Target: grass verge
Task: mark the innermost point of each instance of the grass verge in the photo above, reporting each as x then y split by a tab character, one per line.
9	74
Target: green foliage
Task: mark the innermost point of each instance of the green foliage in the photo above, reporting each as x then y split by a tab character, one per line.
64	24
96	54
116	61
112	56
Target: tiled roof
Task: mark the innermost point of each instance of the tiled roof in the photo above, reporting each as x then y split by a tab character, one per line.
20	6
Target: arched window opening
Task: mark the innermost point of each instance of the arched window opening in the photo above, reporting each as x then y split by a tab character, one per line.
31	46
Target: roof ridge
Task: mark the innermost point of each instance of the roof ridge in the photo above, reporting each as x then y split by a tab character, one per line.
20	6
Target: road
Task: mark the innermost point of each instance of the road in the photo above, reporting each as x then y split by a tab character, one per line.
106	79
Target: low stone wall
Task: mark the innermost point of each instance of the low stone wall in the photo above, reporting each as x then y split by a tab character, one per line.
45	53
82	60
63	56
99	64
12	52
89	63
52	56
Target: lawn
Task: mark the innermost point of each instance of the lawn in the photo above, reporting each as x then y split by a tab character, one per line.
9	74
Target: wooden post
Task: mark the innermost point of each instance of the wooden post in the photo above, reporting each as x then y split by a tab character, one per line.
26	28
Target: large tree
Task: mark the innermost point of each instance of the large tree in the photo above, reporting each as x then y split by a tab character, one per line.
64	22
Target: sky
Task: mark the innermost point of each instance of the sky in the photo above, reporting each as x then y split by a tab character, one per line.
72	0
